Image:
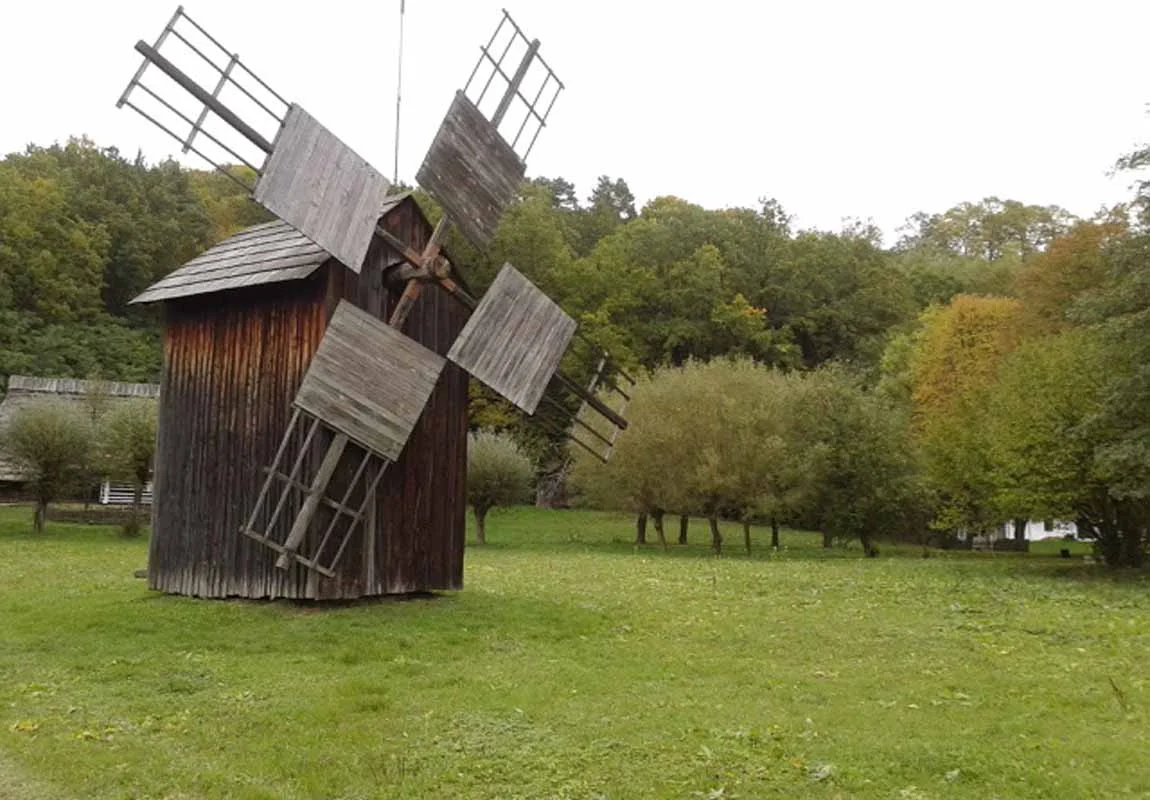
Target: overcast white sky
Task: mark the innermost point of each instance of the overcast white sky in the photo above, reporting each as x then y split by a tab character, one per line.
837	109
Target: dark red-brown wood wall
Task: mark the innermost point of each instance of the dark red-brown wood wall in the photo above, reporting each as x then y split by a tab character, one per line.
232	364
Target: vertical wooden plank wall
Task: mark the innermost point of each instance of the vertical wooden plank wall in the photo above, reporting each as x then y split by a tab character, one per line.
421	508
233	361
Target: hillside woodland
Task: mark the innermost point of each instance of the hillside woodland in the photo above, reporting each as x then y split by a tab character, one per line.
990	365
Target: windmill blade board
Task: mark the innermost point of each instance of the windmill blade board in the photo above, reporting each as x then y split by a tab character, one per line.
323	188
471	171
514	340
369	381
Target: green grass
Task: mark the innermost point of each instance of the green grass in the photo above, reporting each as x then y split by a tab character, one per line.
577	666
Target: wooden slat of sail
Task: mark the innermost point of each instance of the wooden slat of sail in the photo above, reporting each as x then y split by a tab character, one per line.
471	171
514	340
320	186
369	381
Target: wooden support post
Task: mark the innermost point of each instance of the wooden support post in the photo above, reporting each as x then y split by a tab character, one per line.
311	505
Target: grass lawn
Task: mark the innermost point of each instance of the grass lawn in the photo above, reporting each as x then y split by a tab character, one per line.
577	666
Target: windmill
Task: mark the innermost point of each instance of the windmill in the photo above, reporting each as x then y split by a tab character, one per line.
368	382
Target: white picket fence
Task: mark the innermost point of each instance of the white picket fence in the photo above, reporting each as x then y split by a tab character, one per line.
120	494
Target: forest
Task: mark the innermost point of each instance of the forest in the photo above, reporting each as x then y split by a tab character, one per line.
991	363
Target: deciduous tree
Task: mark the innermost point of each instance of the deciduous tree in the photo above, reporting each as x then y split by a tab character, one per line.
498	474
53	443
127	442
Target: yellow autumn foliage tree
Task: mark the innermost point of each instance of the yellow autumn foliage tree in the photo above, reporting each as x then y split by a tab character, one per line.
953	370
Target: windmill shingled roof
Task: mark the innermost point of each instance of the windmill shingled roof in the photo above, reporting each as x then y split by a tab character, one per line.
272	252
267	253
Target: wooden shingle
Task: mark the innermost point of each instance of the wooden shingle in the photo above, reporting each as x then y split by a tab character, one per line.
268	253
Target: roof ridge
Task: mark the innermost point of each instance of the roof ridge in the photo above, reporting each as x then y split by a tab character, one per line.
33	384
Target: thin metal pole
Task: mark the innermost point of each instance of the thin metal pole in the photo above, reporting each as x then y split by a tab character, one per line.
398	93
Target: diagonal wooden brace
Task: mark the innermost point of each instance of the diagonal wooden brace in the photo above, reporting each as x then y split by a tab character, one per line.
314	497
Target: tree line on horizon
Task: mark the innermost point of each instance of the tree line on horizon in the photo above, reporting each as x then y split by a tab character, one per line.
972	325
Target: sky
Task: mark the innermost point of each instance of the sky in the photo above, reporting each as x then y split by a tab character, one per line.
838	110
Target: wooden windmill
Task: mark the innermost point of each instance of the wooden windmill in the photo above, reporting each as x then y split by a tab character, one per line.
367	383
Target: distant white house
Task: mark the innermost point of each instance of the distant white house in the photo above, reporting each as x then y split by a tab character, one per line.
1042	529
25	391
1035	530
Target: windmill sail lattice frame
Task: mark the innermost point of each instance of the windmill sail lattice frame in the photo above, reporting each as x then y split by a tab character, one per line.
368	383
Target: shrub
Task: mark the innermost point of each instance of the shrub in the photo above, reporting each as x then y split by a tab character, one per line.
53	442
498	474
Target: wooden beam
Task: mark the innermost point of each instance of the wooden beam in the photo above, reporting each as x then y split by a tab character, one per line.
311	504
515	83
363	507
303	487
413	289
355	517
299	459
275	466
197	91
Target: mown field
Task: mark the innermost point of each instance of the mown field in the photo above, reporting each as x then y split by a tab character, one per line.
575	665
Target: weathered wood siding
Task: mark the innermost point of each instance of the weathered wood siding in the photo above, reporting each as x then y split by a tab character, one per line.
369	381
515	339
319	185
471	171
422	499
233	361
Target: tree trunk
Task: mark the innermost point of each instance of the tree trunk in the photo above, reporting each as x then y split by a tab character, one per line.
657	518
716	537
641	528
774	533
684	521
1130	528
869	547
1019	529
38	516
747	535
133	526
551	488
828	539
480	524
